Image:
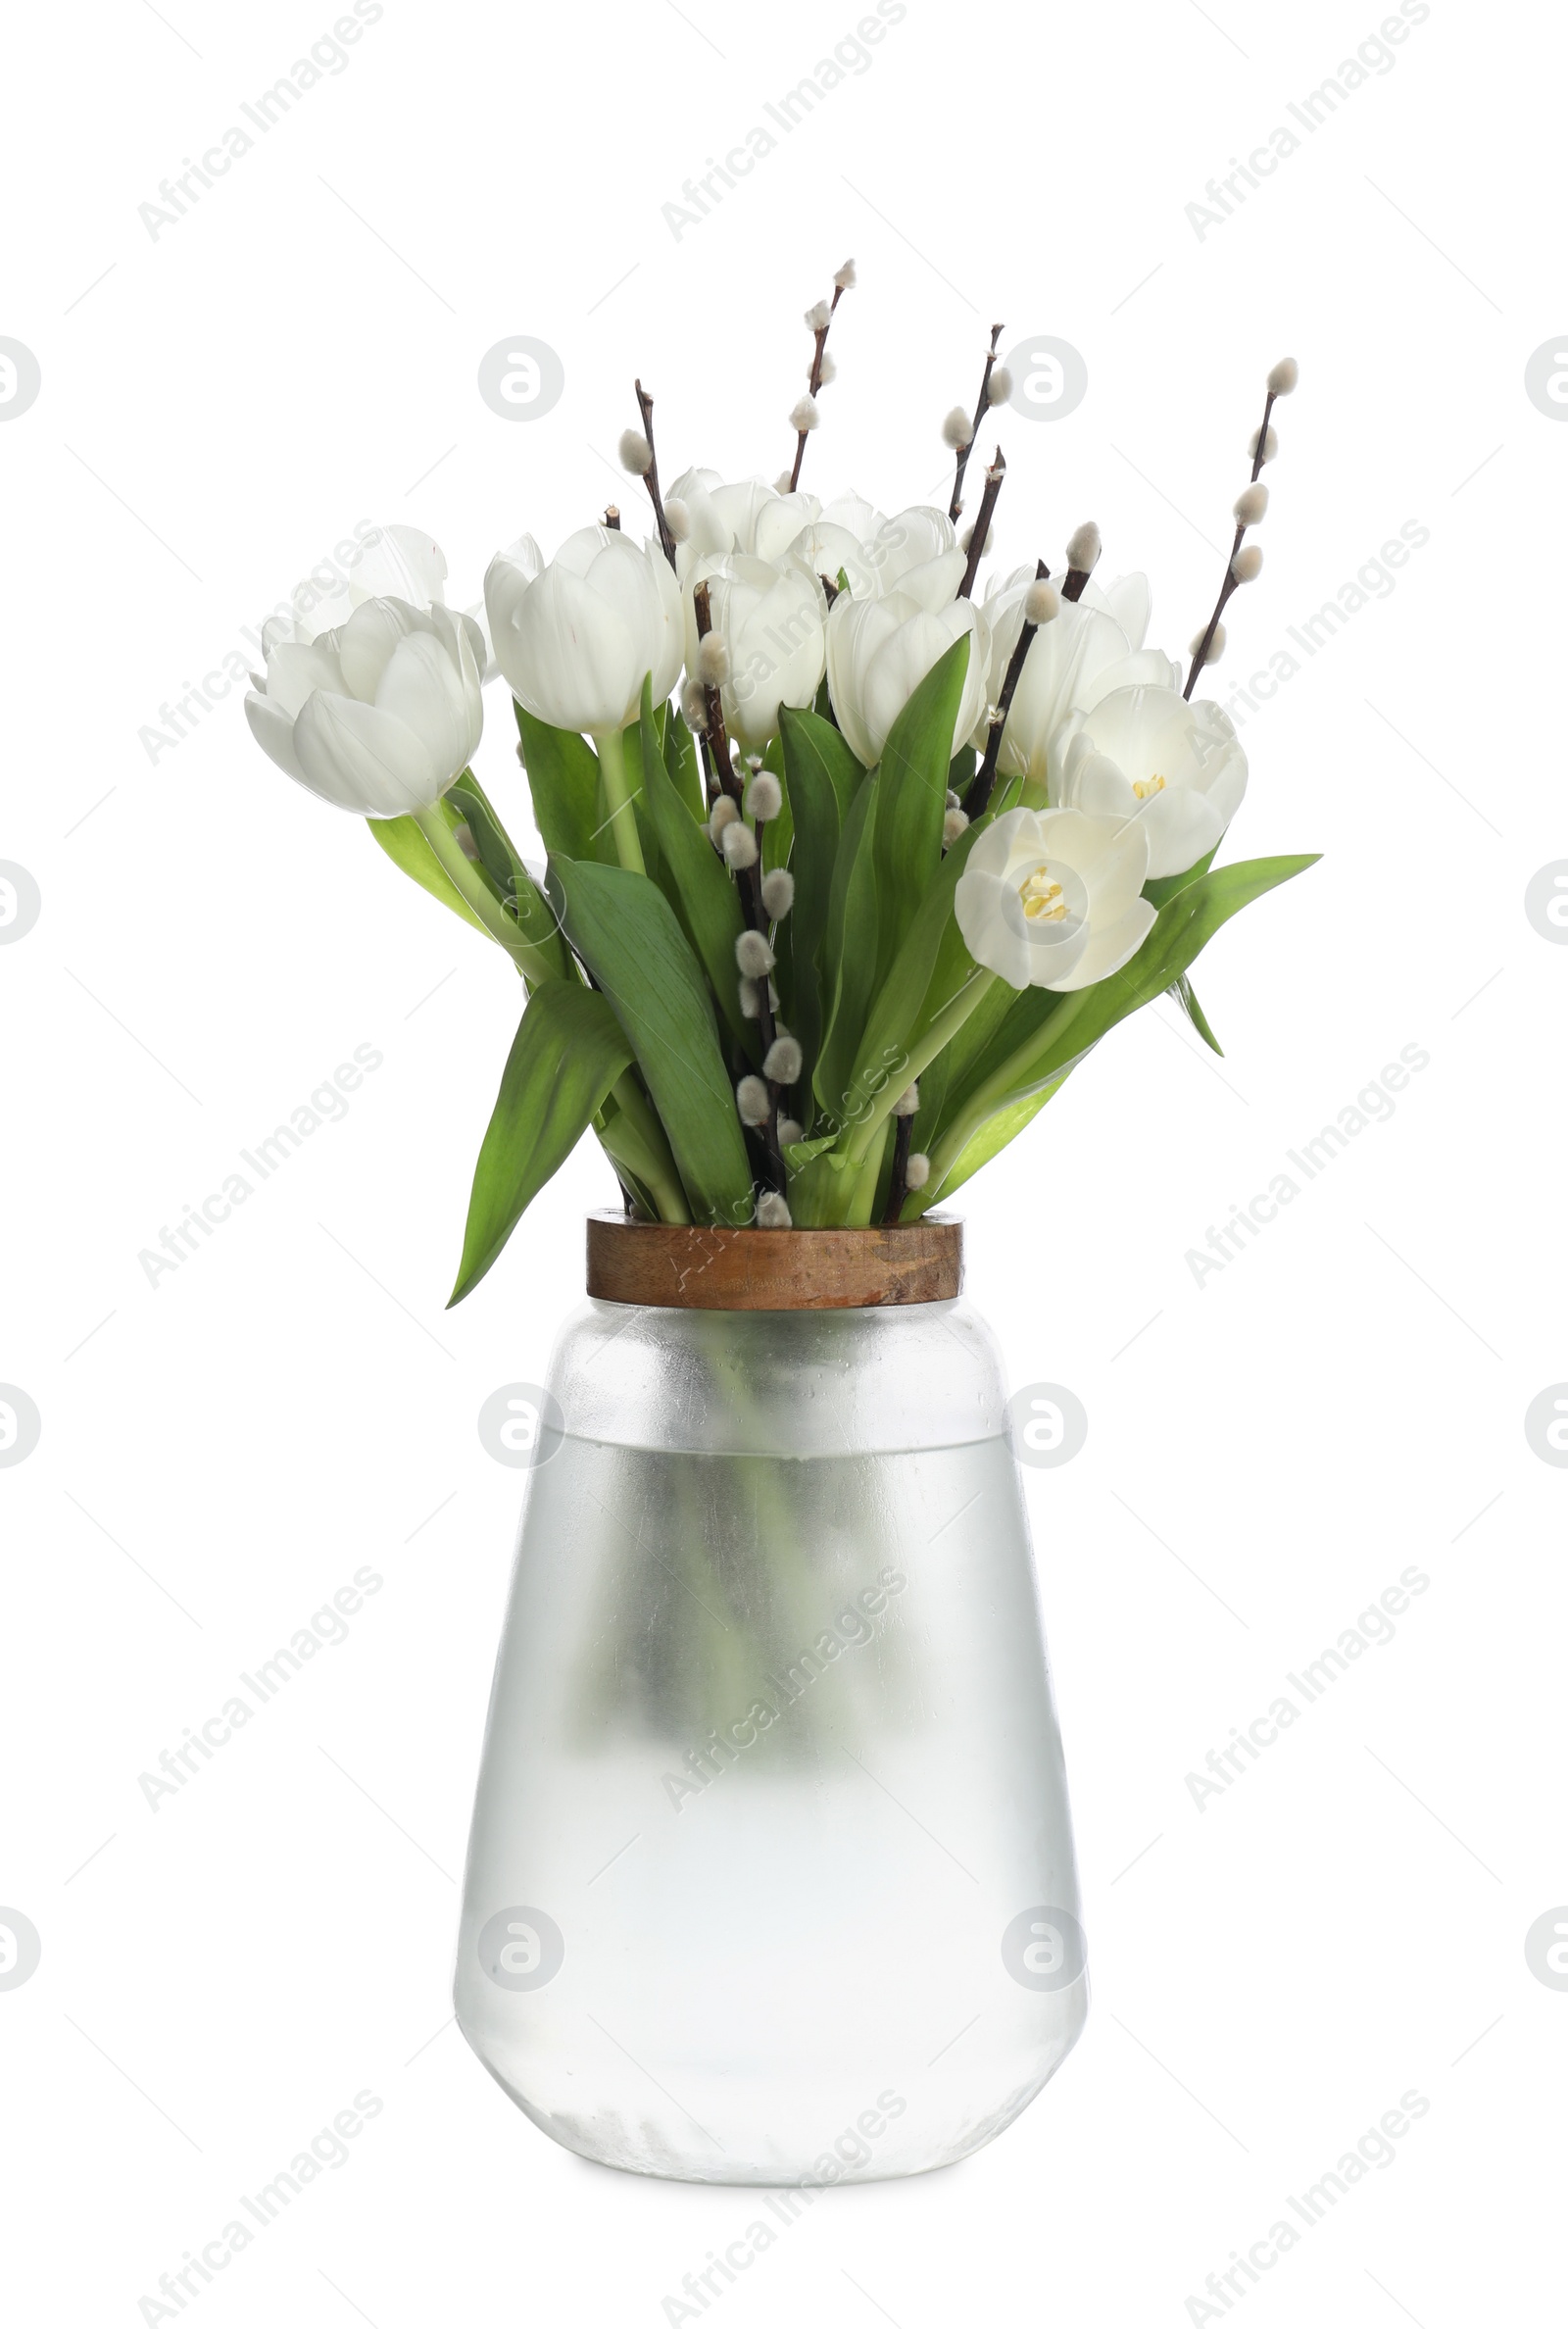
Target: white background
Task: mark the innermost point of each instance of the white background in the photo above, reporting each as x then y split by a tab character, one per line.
1268	1450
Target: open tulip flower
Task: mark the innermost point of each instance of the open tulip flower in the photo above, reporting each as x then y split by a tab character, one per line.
1145	753
846	869
1055	899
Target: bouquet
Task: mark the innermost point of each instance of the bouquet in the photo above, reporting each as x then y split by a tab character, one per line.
848	869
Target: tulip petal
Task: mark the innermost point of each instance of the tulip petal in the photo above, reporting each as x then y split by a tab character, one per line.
358	756
1108	949
422	688
273	730
294	672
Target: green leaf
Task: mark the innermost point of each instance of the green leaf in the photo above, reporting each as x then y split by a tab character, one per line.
409	850
683	765
1183	992
912	799
565	1056
1159	892
626	931
814	758
691	873
930	968
511	877
1028	1056
564	784
848	952
798	1153
991	1137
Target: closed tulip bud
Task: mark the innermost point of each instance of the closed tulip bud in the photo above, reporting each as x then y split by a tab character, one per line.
770	614
954	824
880	649
958	429
1269	440
678	519
1251	505
636	453
1283	379
1216	645
999	385
788	1131
764	796
1248	564
804	414
576	641
754	955
783	1062
908	1102
845	278
772	1212
778	892
1083	548
712	660
379	716
739	847
816	318
1041	603
751	1100
917	1172
724	813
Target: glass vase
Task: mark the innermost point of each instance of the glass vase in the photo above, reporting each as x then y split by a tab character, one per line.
770	1877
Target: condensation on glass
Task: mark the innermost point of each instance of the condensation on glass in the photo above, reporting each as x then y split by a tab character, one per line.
770	1874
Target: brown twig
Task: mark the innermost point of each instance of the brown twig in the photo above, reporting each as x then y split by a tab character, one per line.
613	518
982	525
1230	585
982	403
814	383
645	406
978	797
899	1185
716	736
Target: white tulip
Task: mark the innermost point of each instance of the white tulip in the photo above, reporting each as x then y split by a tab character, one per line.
770	623
379	715
916	553
1052	899
575	639
1142	754
878	652
398	561
727	517
1071	663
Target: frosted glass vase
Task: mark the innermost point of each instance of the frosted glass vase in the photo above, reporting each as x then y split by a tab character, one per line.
770	1877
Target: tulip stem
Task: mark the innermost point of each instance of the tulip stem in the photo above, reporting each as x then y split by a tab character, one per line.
612	746
998	1087
471	889
948	1019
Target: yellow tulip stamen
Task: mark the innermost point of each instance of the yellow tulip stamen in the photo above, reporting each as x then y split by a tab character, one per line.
1146	790
1042	897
